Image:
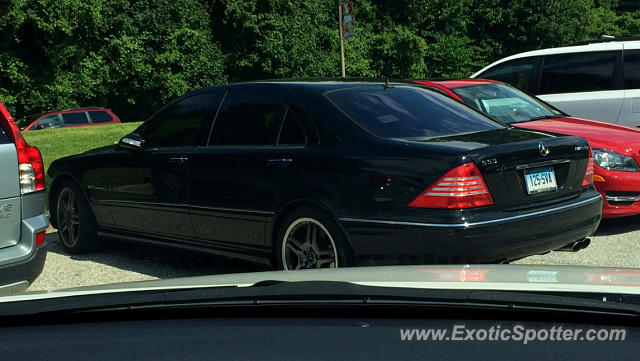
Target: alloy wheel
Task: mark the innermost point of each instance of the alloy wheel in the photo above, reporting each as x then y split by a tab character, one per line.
307	244
68	218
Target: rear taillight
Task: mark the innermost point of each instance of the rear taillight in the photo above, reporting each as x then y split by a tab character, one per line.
31	169
588	175
30	163
461	187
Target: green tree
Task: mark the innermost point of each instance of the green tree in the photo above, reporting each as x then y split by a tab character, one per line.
129	55
133	56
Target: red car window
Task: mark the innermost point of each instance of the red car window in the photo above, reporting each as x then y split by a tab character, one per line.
75	118
100	116
50	121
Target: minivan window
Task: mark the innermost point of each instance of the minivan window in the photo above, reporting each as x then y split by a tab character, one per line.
179	123
75	118
408	112
578	72
519	73
632	69
100	116
248	118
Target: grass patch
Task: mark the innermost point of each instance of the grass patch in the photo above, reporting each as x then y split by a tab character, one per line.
59	143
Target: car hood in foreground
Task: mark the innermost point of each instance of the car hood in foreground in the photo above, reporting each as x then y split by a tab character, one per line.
470	277
599	134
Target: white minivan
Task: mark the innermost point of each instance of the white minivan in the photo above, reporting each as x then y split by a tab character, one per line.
597	79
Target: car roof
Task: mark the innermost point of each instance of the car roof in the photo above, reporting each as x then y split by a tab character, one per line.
581	48
456	83
36	115
78	109
445	86
319	84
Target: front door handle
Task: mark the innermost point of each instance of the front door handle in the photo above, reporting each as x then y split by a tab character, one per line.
178	160
279	162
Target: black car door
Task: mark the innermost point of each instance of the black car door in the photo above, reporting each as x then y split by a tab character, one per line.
235	178
148	187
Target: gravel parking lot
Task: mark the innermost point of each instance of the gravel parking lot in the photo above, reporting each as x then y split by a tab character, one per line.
615	244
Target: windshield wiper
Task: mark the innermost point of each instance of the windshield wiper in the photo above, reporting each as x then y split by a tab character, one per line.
541	117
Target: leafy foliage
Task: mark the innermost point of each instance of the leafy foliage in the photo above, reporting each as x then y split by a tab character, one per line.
127	55
135	55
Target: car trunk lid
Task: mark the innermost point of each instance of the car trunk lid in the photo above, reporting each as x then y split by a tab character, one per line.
508	158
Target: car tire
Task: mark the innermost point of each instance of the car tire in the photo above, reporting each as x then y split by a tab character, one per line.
75	220
309	238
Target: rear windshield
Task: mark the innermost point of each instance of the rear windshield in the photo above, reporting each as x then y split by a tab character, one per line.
408	112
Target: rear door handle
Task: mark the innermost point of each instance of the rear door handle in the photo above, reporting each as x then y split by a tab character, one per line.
279	162
178	160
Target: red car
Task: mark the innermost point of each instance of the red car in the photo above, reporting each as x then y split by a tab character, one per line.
68	118
615	148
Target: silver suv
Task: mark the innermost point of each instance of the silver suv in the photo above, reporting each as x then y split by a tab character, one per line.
22	217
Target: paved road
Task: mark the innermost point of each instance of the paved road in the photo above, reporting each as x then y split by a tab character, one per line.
615	244
128	262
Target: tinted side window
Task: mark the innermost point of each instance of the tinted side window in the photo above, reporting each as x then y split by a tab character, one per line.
632	69
518	72
292	132
248	118
579	72
179	123
100	117
75	118
50	121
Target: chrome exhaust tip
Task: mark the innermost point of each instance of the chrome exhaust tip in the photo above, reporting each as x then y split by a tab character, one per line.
575	246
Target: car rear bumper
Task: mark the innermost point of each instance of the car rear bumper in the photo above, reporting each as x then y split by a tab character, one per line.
621	193
511	236
23	262
17	277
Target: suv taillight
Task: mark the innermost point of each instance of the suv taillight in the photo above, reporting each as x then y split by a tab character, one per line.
30	163
461	187
588	175
31	169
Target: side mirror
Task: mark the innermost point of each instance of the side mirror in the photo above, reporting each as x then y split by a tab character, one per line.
132	141
39	126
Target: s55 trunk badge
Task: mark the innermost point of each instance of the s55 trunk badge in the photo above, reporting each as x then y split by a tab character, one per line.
544	150
489	162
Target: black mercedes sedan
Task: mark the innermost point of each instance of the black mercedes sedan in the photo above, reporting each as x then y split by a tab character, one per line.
315	174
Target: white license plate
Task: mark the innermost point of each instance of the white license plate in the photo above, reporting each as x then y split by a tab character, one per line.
540	180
